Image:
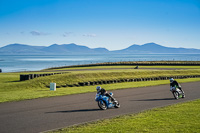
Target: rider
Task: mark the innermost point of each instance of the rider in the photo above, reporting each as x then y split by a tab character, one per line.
102	91
174	84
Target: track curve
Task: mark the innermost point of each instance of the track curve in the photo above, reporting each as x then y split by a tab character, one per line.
43	114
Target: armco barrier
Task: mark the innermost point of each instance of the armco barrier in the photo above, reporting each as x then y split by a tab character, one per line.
89	83
32	76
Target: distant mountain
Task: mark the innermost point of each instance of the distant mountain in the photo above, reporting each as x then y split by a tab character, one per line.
52	49
66	48
101	50
21	48
155	48
72	48
78	49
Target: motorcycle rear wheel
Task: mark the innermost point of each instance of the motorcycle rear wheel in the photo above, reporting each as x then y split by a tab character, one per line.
183	95
117	105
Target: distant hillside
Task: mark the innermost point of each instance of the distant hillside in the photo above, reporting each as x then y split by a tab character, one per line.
21	48
78	49
155	48
52	49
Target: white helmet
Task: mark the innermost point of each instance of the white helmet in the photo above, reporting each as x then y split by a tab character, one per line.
171	80
98	88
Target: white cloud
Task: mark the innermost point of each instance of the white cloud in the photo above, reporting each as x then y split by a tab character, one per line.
89	35
38	33
67	34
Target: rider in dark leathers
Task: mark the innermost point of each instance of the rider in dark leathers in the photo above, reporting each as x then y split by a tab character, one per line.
174	84
102	91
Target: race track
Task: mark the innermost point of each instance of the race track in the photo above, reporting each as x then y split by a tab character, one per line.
38	115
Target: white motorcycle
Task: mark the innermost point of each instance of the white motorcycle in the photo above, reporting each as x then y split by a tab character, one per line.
177	93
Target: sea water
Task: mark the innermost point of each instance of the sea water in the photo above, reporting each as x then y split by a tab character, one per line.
16	63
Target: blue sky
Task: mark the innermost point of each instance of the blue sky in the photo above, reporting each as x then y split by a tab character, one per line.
113	24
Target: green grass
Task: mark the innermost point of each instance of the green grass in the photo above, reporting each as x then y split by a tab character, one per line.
121	67
177	67
76	77
93	67
184	117
133	63
12	89
28	92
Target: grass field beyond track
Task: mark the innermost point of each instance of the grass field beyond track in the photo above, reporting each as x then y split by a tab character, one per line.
12	89
9	95
184	117
121	67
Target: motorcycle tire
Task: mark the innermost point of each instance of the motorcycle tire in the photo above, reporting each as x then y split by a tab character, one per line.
117	105
102	105
176	94
183	95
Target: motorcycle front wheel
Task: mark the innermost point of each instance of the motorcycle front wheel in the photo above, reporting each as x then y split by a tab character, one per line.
102	105
175	93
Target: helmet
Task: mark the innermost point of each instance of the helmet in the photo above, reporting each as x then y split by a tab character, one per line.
98	88
171	80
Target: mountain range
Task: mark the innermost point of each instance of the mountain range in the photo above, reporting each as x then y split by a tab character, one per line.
148	48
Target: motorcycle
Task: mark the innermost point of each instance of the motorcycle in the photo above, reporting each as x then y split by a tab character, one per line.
178	93
104	102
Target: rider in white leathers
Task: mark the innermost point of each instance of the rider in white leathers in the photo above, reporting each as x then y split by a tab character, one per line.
174	84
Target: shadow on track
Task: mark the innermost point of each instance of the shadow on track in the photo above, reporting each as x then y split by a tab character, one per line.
70	111
161	99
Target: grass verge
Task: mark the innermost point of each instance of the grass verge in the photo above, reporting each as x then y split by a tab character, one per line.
182	117
32	93
12	89
122	67
76	77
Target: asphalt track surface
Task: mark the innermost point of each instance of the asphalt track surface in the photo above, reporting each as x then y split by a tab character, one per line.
39	115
